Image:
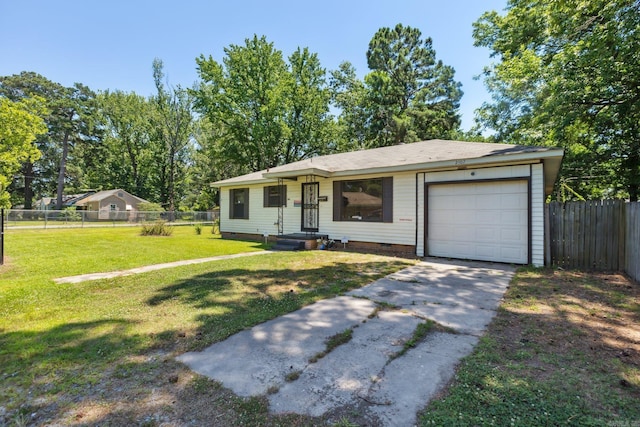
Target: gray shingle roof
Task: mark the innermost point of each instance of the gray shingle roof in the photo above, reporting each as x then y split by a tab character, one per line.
101	195
423	155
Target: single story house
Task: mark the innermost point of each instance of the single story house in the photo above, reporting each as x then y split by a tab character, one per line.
110	204
68	200
454	199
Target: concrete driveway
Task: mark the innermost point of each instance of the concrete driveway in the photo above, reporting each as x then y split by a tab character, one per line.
361	376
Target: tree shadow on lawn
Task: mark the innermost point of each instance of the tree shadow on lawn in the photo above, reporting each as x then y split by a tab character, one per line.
111	371
60	360
564	349
232	300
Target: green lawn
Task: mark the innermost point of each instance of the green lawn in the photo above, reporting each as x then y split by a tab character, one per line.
564	348
70	350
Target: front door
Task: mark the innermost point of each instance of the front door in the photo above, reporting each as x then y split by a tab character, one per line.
310	220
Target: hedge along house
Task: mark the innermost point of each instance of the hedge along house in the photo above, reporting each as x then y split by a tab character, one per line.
467	200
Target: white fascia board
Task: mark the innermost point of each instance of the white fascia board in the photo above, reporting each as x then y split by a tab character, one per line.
299	172
221	184
489	161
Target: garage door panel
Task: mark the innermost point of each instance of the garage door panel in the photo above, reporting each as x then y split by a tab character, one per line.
512	235
512	217
487	201
486	234
449	249
487	217
484	221
512	201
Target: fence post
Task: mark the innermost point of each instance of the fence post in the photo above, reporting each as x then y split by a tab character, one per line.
622	234
2	237
547	236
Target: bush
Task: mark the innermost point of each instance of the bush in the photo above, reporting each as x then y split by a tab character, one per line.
70	214
198	228
158	228
150	207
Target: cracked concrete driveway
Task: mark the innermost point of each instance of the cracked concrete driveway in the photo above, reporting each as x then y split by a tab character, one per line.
362	376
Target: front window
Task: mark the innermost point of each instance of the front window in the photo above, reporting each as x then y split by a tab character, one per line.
275	196
113	207
366	200
239	206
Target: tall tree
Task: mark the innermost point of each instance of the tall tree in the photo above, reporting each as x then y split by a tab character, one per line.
26	85
126	157
75	124
245	96
174	128
309	126
414	96
567	75
20	124
408	95
70	120
349	94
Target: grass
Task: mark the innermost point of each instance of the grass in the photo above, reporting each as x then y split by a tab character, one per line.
103	352
332	343
421	331
564	349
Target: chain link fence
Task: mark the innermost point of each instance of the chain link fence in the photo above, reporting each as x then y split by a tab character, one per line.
79	218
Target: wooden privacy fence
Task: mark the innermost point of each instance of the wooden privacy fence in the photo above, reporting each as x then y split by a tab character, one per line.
594	235
632	253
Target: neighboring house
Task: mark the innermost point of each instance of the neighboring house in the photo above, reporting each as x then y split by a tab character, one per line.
110	204
45	203
49	203
454	199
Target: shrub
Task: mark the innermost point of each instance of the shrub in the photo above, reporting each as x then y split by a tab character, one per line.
70	214
157	228
216	227
198	228
150	207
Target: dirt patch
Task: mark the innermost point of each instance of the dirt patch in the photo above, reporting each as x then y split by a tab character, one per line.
584	326
554	312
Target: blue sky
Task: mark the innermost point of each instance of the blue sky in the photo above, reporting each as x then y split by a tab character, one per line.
111	44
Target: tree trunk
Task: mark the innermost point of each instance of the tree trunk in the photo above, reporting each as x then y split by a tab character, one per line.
172	184
28	185
63	169
633	166
134	168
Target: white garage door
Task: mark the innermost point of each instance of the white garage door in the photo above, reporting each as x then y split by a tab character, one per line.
481	221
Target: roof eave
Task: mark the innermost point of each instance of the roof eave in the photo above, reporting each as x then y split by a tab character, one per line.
228	183
458	164
552	159
299	172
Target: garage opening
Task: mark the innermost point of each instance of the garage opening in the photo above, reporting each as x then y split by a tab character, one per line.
485	221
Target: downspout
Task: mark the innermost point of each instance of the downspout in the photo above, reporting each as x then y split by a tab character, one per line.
416	227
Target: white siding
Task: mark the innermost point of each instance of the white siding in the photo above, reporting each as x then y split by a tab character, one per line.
420	219
407	220
401	231
260	220
537	215
476	174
